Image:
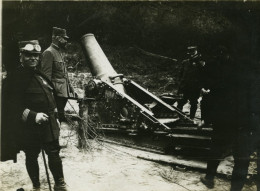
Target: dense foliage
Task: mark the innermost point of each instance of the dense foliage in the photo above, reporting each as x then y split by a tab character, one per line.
122	28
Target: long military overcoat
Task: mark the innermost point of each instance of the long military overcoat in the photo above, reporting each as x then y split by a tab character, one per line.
26	89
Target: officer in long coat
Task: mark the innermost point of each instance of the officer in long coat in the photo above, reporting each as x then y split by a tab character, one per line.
31	120
54	67
223	94
248	139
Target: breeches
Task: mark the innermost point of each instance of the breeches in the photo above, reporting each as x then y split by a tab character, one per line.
52	149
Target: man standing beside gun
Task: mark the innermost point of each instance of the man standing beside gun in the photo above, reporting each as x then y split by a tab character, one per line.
191	79
54	67
32	115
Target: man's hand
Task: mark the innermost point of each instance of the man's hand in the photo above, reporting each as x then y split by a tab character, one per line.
204	91
41	118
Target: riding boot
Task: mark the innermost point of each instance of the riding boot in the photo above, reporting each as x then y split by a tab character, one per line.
32	167
55	165
60	185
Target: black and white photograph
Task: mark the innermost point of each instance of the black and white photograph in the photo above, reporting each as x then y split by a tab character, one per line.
130	95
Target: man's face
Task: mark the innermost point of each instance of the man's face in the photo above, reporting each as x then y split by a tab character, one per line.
29	60
63	42
192	53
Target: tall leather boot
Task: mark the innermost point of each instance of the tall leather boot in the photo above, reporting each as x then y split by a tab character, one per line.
55	165
60	185
32	167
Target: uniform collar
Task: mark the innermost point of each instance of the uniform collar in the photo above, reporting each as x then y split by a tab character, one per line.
55	46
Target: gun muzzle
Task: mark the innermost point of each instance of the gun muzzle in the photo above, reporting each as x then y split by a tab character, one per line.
99	65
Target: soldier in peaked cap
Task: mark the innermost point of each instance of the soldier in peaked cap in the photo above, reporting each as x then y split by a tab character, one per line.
191	79
59	32
31	116
54	67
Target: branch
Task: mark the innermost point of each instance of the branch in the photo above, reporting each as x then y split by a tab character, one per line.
155	55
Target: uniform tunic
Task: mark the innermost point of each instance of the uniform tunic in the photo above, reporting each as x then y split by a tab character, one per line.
39	98
54	67
191	78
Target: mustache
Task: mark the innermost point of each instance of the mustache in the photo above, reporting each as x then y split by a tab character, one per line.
33	59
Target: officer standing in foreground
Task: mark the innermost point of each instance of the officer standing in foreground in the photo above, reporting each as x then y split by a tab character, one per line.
191	80
248	139
54	67
32	115
223	93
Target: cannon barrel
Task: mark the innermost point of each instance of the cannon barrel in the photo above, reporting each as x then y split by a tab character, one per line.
99	65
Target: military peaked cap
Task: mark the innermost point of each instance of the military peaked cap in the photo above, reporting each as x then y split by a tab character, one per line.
59	32
190	48
30	46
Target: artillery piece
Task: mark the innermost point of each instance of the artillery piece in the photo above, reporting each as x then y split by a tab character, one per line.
131	115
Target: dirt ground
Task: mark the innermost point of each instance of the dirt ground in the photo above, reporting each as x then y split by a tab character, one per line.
106	167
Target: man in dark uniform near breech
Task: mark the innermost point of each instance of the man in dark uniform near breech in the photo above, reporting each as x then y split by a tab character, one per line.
32	115
54	67
248	139
210	81
191	80
223	94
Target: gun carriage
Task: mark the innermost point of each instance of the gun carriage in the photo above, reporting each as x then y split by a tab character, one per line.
131	115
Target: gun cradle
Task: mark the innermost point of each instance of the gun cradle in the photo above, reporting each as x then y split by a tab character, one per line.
142	119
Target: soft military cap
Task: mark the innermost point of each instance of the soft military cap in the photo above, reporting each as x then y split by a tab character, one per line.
30	46
59	32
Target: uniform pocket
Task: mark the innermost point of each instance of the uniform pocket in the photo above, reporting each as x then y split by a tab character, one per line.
59	66
58	86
